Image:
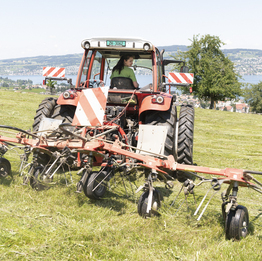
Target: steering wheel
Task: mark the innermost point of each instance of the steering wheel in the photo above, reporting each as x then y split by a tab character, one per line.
93	84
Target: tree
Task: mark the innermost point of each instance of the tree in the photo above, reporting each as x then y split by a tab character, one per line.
203	104
253	96
234	107
214	76
51	84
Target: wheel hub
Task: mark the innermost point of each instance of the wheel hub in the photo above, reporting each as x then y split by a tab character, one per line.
155	206
244	228
3	172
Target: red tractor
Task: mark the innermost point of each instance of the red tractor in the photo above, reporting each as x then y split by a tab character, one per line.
127	107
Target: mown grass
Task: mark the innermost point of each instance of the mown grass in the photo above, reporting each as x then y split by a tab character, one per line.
59	224
34	90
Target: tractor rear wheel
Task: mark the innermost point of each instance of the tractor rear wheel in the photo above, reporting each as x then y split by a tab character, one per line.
48	108
185	135
45	109
185	139
64	112
165	118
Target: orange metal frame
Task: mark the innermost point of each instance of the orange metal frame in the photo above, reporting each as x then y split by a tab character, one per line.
99	146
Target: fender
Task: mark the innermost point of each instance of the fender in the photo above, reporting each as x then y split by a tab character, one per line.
147	104
69	101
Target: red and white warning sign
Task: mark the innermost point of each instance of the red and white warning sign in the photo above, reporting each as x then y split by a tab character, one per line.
91	107
181	77
53	72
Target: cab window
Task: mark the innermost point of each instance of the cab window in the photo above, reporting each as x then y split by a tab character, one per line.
85	67
159	74
96	67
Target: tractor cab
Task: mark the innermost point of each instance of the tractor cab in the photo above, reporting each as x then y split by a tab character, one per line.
101	55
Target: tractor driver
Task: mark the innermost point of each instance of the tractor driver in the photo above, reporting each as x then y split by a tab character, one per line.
122	69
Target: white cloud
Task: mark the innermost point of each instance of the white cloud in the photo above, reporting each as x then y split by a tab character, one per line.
228	42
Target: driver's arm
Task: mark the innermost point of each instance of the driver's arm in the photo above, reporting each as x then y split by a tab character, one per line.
136	85
133	78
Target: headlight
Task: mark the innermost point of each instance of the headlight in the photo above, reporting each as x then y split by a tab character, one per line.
86	45
158	99
146	46
68	95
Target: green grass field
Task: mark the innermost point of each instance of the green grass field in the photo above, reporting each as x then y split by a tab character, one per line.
59	224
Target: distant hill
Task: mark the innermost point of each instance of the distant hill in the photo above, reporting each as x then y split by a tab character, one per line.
247	61
237	51
66	60
34	65
173	48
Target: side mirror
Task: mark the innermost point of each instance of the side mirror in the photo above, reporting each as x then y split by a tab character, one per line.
184	69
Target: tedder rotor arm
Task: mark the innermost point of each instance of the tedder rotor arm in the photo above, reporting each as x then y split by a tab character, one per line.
156	163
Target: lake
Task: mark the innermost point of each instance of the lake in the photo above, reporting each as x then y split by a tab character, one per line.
142	79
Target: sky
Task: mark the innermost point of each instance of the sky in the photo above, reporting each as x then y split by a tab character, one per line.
31	28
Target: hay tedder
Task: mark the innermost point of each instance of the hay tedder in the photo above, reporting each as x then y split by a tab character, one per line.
112	127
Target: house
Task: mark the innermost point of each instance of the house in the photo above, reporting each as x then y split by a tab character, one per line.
227	108
242	108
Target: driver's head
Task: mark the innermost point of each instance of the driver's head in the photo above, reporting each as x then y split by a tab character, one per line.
128	61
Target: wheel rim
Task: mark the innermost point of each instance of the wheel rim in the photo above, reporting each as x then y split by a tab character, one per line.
155	206
100	188
3	170
95	185
237	222
36	181
244	227
143	202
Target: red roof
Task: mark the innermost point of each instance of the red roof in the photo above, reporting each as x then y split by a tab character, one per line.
241	106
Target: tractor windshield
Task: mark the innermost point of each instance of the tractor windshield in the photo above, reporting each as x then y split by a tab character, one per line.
141	67
98	67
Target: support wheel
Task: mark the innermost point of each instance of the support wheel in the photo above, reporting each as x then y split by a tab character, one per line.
143	202
95	186
38	180
5	167
236	224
